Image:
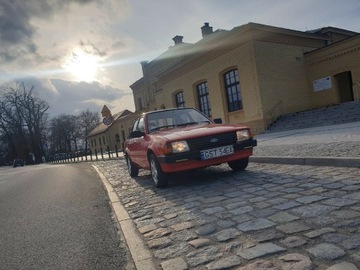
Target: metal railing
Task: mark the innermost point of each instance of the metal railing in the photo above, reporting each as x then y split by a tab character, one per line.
89	156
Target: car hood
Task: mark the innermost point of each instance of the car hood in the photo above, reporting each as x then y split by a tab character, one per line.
197	131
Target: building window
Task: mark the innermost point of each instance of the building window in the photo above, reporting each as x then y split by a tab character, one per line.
99	141
179	100
203	98
232	88
104	140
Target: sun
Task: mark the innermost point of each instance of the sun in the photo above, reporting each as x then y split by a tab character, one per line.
83	66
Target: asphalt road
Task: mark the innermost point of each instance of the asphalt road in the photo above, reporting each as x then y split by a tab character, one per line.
57	217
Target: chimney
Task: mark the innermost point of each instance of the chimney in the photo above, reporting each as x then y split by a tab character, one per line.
206	30
178	39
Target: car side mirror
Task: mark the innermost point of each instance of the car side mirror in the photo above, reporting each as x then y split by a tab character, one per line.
136	134
218	120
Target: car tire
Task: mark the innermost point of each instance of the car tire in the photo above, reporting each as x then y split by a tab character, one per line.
239	165
132	169
159	177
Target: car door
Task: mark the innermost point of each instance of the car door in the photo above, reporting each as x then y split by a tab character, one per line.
132	144
138	146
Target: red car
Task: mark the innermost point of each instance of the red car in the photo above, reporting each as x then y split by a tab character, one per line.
173	140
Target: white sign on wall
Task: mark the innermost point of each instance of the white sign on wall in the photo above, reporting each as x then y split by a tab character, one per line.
322	84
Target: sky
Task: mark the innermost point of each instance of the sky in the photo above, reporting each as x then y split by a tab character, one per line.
84	54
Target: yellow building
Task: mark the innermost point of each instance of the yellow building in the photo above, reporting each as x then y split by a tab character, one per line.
111	133
253	73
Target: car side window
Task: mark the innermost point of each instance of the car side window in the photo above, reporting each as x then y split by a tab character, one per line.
134	127
141	125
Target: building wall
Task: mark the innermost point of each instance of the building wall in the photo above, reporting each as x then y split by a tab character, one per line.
212	72
140	94
96	143
341	57
277	68
105	140
282	78
272	81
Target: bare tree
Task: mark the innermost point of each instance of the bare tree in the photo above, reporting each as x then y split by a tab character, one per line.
64	133
11	132
57	136
68	133
23	117
88	121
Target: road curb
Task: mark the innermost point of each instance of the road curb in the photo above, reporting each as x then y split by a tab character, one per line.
312	161
141	255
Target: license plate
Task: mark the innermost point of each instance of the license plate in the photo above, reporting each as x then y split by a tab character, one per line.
217	152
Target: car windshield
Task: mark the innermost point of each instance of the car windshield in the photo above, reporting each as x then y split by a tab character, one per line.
175	118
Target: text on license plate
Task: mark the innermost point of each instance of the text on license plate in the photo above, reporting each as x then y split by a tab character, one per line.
217	152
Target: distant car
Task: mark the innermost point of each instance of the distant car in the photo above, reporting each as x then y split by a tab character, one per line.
18	162
173	140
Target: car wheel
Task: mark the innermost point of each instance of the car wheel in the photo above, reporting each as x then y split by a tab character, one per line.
158	176
132	169
239	165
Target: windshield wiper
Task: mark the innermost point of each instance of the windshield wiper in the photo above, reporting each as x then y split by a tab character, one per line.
162	127
192	123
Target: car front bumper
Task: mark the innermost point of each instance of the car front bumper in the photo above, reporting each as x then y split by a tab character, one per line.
192	160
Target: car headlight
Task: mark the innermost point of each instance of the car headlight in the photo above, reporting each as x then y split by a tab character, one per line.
242	135
179	146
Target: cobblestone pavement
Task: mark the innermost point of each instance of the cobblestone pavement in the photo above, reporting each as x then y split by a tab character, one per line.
267	217
340	140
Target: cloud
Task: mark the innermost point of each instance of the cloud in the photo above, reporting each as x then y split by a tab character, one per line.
15	31
35	33
38	37
91	48
14	25
74	97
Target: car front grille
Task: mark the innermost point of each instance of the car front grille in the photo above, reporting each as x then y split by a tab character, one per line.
212	141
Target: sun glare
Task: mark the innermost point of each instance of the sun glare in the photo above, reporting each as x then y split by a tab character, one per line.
82	66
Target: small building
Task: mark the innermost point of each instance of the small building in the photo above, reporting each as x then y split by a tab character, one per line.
110	134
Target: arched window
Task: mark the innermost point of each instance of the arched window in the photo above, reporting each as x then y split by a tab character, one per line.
203	98
232	89
179	100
